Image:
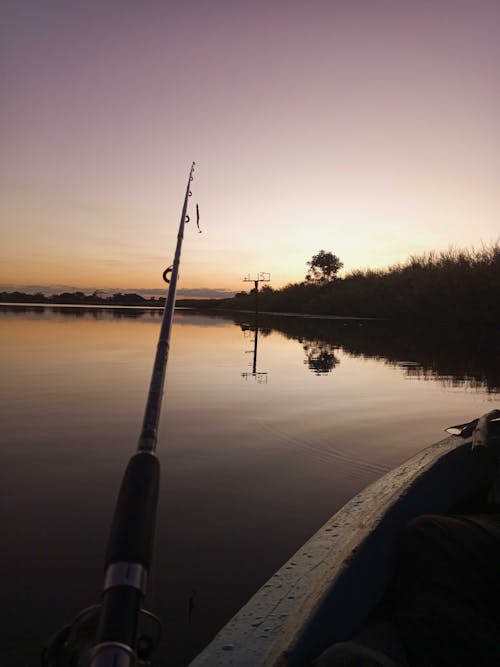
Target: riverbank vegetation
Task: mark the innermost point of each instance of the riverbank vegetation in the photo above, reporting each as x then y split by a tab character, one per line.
455	285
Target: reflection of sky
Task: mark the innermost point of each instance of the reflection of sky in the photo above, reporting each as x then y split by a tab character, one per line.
249	470
365	128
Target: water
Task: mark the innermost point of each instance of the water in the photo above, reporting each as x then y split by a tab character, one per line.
252	463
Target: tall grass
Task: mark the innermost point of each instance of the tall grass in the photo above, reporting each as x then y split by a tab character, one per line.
453	285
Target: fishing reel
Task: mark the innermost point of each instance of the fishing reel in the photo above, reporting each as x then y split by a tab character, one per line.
73	645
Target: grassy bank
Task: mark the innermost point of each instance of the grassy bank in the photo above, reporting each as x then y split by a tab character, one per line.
461	285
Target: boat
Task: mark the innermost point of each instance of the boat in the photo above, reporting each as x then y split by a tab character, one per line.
329	588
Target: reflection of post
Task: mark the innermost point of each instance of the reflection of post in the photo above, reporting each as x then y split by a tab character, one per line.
256	340
260	376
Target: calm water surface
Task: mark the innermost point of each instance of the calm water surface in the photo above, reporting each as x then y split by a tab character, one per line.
252	462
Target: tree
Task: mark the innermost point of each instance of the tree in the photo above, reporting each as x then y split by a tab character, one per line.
323	267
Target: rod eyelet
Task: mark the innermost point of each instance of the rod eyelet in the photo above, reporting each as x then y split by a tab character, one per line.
165	274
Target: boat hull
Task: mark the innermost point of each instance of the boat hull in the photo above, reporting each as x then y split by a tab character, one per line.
324	593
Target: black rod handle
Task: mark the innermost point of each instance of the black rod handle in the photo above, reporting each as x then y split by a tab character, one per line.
132	531
128	561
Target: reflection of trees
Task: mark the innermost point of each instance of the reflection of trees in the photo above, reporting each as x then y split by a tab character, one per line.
464	381
320	356
95	313
456	356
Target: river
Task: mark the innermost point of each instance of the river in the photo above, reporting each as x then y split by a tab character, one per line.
260	442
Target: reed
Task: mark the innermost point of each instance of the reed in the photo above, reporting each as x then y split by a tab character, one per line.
452	285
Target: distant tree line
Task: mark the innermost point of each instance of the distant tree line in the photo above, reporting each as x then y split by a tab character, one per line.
77	298
455	285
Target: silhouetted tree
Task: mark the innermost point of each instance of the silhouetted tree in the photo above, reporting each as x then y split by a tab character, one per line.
323	267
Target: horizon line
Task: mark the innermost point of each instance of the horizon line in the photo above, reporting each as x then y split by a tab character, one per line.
187	292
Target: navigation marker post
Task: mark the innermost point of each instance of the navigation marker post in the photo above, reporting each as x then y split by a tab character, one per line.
262	277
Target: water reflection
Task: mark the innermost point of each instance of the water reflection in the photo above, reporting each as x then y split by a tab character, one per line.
82	313
454	356
252	331
251	471
320	356
464	357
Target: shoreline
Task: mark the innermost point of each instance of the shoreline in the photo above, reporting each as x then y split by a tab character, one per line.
200	310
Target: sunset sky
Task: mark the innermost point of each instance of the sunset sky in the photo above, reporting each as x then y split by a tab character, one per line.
366	127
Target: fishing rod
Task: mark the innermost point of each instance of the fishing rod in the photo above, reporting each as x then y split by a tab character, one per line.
118	632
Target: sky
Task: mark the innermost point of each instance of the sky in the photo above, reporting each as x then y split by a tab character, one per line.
369	128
